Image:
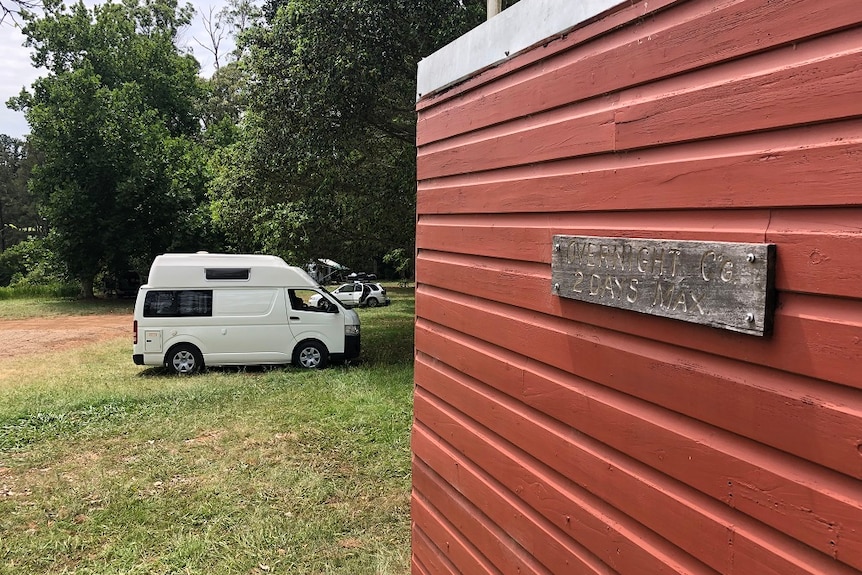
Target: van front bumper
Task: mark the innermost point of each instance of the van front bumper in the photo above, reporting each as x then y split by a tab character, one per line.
138	358
351	346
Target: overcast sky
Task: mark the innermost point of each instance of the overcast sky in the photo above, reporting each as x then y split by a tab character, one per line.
16	70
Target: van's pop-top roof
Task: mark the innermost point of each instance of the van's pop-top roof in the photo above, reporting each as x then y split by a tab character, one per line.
218	270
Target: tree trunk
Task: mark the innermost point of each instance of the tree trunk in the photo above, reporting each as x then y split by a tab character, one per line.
87	288
2	229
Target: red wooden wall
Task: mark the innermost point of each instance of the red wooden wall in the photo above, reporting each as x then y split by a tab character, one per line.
554	436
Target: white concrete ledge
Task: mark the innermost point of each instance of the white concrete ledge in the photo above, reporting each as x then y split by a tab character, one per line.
515	29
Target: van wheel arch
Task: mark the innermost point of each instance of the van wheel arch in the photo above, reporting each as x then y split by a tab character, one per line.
311	354
184	359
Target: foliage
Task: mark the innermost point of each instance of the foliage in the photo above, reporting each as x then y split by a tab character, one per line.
31	263
46	291
225	99
121	178
11	264
302	143
19	218
11	9
400	260
330	132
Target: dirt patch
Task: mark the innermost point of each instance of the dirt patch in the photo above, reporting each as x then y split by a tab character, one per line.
35	335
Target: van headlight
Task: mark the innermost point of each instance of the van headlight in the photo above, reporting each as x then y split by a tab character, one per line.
351	330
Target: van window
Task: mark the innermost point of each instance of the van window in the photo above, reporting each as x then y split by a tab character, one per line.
243	302
308	300
227	273
178	303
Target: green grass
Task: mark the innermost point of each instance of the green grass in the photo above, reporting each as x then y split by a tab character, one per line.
53	291
50	306
106	467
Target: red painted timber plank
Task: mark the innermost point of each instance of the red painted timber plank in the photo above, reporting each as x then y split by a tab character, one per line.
529	237
665	506
505	549
813	420
807	82
812	336
617	17
816	248
634	54
814	81
416	567
436	344
429	556
530	140
835	497
720	536
807	166
450	541
622	545
819	251
730	541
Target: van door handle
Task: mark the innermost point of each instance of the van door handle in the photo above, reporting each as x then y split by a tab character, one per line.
293	317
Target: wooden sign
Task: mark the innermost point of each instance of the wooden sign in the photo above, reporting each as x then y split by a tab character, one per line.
721	284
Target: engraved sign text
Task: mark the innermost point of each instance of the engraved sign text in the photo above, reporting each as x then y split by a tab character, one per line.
722	284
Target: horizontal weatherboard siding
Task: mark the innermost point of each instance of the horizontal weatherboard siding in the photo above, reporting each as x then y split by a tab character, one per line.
556	436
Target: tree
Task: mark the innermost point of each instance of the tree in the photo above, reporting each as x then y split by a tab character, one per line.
231	21
241	15
12	9
226	96
331	125
18	214
214	27
115	119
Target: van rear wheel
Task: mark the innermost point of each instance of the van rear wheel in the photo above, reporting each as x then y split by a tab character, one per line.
311	355
184	359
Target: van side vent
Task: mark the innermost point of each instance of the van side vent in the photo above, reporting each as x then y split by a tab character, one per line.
227	273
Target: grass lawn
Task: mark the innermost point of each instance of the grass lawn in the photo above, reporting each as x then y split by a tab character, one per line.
107	467
19	308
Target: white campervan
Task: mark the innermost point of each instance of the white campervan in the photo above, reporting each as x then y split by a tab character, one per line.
219	309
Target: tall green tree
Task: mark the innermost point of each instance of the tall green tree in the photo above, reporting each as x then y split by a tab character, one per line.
327	165
19	217
116	118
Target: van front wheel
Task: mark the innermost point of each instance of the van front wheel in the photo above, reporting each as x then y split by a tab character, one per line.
311	355
184	359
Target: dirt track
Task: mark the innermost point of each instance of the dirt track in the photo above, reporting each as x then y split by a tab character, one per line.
29	336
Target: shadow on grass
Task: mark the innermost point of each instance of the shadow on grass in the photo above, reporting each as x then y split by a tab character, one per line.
162	372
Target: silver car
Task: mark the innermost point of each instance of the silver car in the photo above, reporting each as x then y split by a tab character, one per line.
356	294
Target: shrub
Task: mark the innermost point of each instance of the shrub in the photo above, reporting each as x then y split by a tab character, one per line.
56	290
31	263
